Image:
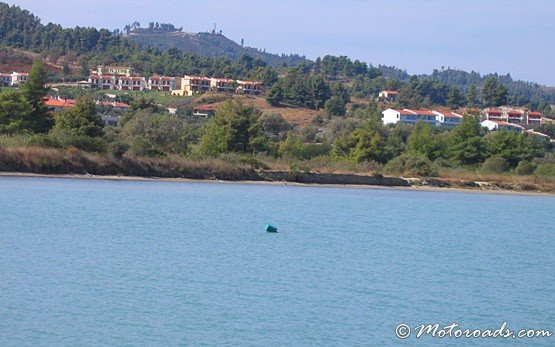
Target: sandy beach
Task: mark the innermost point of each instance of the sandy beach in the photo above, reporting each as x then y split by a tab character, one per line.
279	183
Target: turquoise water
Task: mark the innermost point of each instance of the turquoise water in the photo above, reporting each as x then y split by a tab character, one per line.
90	262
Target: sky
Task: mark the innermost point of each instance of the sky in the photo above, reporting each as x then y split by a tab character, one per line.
503	36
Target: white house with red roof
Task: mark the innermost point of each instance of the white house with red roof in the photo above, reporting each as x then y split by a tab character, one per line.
133	83
204	111
448	118
249	87
161	83
18	78
58	104
515	116
389	95
408	116
221	84
494	114
104	82
534	118
498	125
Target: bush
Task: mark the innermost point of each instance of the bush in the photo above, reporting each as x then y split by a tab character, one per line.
411	165
545	170
495	165
524	168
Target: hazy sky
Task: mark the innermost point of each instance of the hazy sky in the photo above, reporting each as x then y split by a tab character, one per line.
504	36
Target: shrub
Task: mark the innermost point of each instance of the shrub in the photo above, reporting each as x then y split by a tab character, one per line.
411	165
545	170
524	168
495	164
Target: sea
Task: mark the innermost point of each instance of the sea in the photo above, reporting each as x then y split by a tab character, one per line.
87	262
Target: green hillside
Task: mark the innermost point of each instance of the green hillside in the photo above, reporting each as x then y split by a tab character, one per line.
209	45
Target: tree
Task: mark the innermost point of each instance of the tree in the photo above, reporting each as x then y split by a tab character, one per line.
66	70
500	95
80	126
335	107
471	96
234	128
455	99
367	143
488	91
155	134
15	113
511	146
34	90
464	143
423	141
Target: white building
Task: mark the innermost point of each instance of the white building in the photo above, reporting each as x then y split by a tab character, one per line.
498	125
448	118
132	83
18	78
407	116
162	83
104	82
389	95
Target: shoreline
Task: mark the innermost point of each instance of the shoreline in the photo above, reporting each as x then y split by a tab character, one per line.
420	188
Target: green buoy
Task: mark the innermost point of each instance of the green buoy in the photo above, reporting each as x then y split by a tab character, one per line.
270	228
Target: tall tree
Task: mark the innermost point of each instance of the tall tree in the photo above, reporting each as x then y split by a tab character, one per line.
471	96
464	143
488	91
34	90
500	95
234	128
455	98
423	141
15	113
81	120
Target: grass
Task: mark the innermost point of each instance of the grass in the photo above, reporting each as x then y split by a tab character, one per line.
161	98
543	183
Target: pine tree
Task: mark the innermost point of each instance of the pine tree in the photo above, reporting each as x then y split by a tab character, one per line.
34	90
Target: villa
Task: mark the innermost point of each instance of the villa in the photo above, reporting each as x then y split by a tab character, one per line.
132	83
498	125
407	116
221	84
388	95
161	83
249	87
190	85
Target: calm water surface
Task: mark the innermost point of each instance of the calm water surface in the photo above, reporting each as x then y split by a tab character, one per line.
90	262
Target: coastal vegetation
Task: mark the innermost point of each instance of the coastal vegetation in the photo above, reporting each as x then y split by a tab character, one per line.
343	132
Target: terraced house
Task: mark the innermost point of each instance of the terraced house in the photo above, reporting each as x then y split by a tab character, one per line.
161	83
408	116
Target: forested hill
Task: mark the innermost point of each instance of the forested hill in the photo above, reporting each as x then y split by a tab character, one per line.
209	45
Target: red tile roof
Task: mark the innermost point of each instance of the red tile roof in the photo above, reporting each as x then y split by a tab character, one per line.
535	114
500	122
452	115
495	111
421	112
50	102
390	91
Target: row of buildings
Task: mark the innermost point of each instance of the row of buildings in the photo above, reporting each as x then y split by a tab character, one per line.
435	118
123	78
14	79
411	116
502	114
